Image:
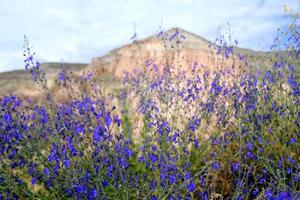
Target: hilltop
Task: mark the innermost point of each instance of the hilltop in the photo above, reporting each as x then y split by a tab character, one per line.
193	48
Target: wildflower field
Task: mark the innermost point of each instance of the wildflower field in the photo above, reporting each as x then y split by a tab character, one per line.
164	133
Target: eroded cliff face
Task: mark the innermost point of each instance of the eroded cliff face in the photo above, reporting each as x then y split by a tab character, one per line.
182	51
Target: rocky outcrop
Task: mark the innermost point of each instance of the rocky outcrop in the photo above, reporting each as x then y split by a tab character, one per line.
183	50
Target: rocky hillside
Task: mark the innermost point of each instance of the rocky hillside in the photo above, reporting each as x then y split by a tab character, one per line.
164	48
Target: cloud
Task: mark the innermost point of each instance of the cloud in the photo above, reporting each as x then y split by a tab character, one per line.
76	30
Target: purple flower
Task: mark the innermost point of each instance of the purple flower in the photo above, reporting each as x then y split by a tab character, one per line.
117	120
33	180
61	76
194	124
123	163
67	163
152	185
154	148
188	176
128	152
191	186
152	157
201	181
88	77
269	195
228	51
107	119
142	159
97	137
292	140
216	165
153	197
7	118
172	179
196	143
104	183
47	171
292	82
80	188
291	160
235	166
284	196
255	192
93	194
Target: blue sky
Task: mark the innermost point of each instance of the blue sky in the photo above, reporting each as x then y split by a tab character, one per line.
77	30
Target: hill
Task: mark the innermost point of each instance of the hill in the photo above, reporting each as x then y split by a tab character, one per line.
19	81
160	49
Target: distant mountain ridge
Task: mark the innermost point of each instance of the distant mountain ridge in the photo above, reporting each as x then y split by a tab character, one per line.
20	81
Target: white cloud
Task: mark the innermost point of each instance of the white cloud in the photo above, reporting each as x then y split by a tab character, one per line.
76	30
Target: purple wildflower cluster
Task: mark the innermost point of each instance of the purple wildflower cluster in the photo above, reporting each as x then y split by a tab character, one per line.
174	134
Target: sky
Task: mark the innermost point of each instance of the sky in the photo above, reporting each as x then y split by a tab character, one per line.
78	30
